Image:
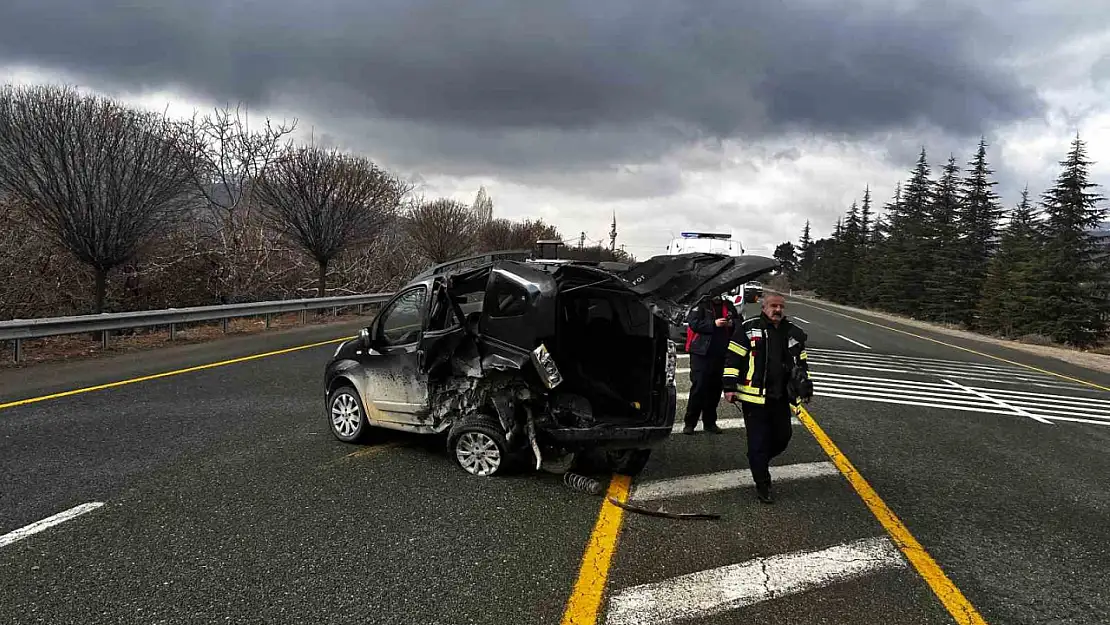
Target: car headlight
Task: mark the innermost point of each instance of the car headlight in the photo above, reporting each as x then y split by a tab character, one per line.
672	362
545	366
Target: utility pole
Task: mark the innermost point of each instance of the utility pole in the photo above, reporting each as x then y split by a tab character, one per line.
613	234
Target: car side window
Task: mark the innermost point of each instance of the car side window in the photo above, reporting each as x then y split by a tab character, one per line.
402	321
506	298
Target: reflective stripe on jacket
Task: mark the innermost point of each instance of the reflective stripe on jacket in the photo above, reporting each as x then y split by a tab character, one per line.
746	363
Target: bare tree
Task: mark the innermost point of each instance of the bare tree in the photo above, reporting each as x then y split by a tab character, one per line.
443	229
504	234
226	155
326	201
100	178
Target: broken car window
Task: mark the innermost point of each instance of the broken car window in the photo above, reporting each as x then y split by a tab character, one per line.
402	321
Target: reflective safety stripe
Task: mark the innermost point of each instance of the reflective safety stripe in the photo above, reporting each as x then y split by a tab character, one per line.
752	399
736	348
803	355
731	372
751	390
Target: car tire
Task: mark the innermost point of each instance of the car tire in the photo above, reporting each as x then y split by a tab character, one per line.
347	415
478	446
629	462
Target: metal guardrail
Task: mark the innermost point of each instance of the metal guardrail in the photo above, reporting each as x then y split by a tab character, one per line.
18	330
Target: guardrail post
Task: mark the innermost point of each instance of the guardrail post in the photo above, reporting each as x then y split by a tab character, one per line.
360	310
335	311
18	344
269	319
223	324
173	331
104	339
304	317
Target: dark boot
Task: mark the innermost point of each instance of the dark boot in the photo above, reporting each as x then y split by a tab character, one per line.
763	491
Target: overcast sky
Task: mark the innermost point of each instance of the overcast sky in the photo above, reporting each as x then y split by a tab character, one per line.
677	115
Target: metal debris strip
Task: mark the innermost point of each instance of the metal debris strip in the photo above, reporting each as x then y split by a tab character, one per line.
590	486
685	516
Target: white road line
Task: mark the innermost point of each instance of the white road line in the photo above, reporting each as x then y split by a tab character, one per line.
1024	396
853	342
846	394
47	523
1001	403
724	424
1073	420
938	373
797	318
726	480
926	368
696	596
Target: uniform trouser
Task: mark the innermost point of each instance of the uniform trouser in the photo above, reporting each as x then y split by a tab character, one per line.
705	389
768	430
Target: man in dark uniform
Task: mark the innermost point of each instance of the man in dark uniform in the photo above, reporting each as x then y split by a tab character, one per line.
766	370
711	321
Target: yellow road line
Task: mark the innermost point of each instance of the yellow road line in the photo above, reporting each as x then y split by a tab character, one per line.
966	349
100	387
958	605
585	599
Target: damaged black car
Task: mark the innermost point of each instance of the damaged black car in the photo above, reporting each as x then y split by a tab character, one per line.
533	359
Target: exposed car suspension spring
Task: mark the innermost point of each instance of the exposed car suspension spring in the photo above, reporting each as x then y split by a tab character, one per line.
582	483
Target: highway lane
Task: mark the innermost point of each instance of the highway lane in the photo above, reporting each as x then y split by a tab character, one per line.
246	507
226	497
1015	509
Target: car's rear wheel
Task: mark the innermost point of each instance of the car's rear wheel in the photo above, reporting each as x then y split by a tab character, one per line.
628	461
347	415
479	447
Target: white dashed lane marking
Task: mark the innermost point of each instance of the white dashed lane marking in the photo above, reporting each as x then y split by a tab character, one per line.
47	523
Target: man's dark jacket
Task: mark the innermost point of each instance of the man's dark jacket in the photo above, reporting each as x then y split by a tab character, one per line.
709	340
758	370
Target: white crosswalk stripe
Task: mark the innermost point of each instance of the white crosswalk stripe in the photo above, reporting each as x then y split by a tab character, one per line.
933	367
953	385
948	394
705	593
726	480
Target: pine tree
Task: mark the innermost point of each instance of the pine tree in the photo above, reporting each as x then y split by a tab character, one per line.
1009	303
848	255
884	248
865	216
944	277
806	258
978	225
907	259
1075	290
863	276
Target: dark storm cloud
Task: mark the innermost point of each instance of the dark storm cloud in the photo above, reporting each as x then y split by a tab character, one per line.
720	67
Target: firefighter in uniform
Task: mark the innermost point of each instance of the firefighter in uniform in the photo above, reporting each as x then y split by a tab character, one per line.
766	370
711	324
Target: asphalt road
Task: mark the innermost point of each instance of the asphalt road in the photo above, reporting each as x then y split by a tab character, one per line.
226	499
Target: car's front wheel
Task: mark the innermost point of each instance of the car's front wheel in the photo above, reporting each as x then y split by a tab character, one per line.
479	447
347	416
628	461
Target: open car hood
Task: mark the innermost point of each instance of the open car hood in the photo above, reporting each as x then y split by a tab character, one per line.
672	284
